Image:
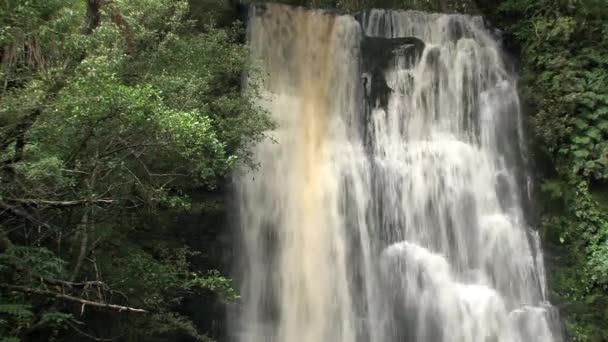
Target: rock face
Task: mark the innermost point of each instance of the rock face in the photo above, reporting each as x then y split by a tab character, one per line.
378	53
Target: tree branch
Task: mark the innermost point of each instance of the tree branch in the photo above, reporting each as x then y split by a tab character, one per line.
21	213
84	284
52	203
84	229
84	302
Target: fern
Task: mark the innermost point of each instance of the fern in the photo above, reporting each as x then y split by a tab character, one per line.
57	319
10	339
17	310
40	261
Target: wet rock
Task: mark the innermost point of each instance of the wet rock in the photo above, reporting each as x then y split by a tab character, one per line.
378	54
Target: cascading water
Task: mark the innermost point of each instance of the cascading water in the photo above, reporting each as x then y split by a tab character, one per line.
387	207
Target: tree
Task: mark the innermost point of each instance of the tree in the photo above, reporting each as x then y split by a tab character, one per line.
111	113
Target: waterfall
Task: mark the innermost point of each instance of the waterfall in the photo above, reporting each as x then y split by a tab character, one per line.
389	203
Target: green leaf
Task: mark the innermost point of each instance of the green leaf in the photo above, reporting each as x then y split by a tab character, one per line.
581	154
17	310
582	140
603	125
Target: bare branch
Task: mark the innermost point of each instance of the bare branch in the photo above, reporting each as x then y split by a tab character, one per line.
52	203
84	284
84	302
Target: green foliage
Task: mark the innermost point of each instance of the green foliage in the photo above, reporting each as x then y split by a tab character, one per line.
16	310
170	321
38	261
14	317
111	119
214	281
10	339
57	320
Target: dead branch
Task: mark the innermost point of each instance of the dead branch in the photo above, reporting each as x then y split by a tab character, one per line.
69	284
84	302
52	203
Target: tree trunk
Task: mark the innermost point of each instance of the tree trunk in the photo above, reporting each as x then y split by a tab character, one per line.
83	227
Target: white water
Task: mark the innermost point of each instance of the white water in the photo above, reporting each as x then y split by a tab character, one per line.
402	223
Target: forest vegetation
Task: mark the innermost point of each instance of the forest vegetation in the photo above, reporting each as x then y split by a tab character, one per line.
122	120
